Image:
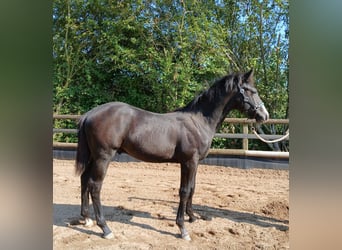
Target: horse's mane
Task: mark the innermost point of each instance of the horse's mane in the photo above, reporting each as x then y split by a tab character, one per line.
213	94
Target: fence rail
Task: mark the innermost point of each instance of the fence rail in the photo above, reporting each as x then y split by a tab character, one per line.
245	136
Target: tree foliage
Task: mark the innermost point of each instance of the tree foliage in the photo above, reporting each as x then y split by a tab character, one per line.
158	55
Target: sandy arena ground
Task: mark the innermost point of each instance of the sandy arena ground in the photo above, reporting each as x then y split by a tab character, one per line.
237	208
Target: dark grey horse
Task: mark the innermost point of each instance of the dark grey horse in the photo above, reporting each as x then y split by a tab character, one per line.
182	136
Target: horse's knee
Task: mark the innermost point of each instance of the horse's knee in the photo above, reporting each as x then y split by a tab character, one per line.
184	193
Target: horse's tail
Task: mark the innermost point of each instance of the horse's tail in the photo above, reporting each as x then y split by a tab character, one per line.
83	152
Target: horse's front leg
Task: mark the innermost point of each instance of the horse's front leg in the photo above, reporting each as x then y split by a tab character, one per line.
188	175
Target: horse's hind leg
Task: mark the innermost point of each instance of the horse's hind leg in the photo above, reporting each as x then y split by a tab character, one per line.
85	197
97	175
189	210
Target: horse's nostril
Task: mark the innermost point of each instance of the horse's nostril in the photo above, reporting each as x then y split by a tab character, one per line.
260	117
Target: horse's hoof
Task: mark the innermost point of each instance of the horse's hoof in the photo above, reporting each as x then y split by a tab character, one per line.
108	236
88	222
186	237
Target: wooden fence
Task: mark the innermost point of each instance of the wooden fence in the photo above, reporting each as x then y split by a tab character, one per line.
245	136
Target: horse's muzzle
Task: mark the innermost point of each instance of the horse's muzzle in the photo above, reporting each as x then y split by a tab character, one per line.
261	115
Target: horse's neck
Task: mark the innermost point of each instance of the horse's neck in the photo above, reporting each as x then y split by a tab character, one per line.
213	109
219	112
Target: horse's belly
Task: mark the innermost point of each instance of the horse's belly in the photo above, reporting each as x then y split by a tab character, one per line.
150	150
151	156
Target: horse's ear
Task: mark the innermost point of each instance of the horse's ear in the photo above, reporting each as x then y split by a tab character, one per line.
248	77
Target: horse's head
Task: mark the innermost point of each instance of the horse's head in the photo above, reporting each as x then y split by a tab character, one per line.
248	100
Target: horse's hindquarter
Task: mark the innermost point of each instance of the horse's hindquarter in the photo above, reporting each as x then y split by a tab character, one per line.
107	125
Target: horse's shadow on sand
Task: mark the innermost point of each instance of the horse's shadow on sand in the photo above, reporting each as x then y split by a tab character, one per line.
65	215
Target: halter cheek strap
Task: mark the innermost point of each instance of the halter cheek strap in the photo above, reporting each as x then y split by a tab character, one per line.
246	100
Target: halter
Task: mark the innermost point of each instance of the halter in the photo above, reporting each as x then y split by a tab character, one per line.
246	100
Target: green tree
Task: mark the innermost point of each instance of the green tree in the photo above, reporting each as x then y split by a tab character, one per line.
158	55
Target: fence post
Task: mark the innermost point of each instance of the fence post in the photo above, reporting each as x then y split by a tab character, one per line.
245	140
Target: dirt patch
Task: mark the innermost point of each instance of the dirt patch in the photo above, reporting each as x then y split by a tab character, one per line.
236	208
279	209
